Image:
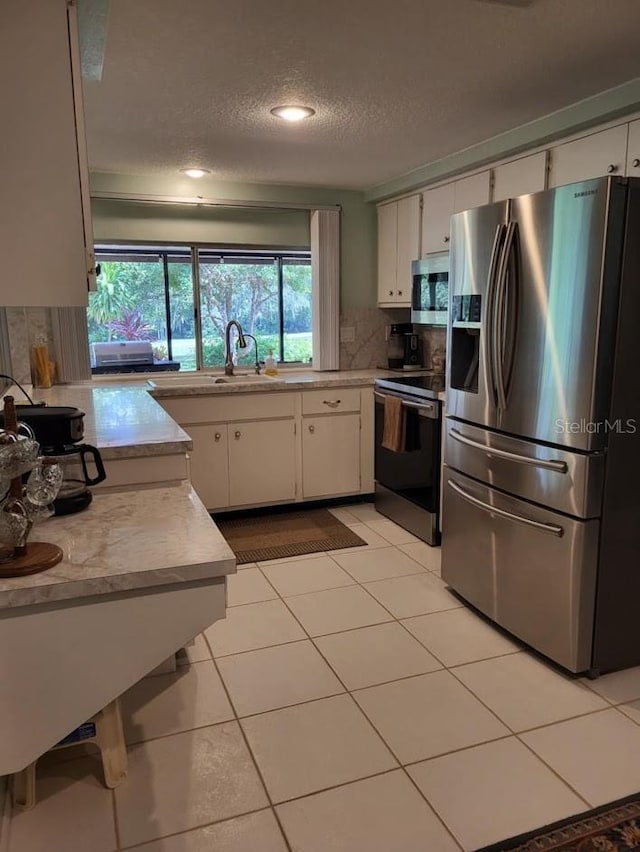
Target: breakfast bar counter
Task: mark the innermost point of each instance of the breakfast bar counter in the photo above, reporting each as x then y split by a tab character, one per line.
143	573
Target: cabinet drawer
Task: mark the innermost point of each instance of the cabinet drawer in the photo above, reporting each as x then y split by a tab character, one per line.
330	401
219	409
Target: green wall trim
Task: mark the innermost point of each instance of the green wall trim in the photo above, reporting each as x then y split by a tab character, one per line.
598	109
119	219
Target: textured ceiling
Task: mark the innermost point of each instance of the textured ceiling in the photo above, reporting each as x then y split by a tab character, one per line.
394	84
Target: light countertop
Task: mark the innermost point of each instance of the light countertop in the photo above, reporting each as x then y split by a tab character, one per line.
287	380
126	540
121	420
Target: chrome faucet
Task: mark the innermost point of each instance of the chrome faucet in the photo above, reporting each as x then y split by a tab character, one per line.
255	343
228	360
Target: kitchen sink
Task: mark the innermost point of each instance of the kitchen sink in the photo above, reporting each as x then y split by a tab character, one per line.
207	380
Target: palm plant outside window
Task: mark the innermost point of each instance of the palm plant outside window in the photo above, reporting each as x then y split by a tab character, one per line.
180	299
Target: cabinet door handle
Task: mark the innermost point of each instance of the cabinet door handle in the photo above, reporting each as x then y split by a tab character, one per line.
332	403
611	168
217	436
237	435
391	292
312	429
446	239
635	163
399	292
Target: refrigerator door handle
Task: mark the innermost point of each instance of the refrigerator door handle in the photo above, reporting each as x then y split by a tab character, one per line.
498	336
546	464
551	529
490	311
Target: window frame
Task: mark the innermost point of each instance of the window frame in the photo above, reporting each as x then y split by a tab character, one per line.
133	249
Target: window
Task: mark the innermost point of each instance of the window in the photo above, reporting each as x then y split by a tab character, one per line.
269	295
145	306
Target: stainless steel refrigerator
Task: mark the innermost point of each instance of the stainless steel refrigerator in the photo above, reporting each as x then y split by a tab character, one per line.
541	516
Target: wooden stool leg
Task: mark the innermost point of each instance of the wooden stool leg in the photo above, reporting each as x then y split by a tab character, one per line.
110	741
24	787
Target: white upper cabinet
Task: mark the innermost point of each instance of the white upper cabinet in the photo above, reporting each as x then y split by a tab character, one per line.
398	246
591	156
520	177
473	191
437	208
42	230
387	251
408	245
633	151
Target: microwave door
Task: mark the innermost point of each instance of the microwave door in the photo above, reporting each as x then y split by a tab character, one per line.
430	298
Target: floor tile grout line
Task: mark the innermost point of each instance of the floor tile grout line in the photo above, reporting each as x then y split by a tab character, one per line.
198	827
269	581
396	757
529	730
250	751
394	618
328	789
433	809
622	713
317	591
512	734
564	719
554	771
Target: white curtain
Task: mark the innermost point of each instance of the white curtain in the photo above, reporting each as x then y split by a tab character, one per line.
71	343
325	276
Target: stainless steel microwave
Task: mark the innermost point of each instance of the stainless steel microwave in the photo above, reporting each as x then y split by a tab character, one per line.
430	289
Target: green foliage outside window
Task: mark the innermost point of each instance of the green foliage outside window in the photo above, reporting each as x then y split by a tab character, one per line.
130	304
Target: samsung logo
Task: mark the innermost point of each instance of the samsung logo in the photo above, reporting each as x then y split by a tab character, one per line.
585	192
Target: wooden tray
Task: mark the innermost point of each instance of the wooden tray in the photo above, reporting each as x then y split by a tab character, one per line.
40	556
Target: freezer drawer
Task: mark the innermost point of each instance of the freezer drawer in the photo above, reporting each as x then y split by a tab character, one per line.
559	479
529	569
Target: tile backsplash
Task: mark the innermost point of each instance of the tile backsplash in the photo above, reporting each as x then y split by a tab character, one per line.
368	349
27	326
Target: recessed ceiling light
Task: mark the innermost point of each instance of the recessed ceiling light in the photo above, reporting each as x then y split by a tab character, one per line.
293	113
195	173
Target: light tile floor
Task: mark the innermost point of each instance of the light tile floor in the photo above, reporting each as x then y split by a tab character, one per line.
348	702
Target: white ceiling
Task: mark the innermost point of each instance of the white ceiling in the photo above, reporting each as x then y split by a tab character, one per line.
395	84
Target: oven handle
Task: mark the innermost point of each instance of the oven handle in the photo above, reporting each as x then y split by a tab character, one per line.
430	408
546	464
552	529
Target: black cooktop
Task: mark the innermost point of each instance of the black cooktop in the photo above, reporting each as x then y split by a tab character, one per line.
424	386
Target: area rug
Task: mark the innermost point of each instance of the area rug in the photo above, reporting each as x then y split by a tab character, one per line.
282	534
611	828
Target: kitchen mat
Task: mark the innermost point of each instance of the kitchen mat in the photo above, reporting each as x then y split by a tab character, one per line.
277	535
609	828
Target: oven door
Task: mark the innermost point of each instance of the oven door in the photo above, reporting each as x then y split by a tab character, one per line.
415	474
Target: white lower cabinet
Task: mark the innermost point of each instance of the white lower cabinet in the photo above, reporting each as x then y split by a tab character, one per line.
263	448
209	464
262	467
330	455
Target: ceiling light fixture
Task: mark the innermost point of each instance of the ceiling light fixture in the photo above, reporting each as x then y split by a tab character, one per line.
293	113
193	172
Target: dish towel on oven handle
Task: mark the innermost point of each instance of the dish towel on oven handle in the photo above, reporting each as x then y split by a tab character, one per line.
395	425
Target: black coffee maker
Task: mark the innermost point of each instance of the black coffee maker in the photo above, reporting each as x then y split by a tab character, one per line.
58	430
396	344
